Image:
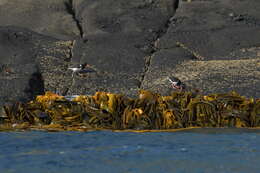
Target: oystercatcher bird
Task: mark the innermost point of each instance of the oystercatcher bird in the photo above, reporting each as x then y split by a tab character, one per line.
176	83
81	69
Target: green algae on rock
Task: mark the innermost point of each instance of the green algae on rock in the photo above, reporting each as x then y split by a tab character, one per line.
150	111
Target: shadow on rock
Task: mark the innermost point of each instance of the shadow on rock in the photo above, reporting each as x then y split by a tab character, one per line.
36	85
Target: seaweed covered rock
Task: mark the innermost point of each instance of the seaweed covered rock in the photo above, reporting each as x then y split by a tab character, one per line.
212	46
149	111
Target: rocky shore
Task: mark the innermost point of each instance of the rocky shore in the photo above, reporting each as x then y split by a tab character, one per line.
210	45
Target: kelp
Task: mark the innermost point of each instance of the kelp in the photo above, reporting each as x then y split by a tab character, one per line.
149	111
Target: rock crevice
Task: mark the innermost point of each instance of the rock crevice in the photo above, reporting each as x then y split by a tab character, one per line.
155	49
70	9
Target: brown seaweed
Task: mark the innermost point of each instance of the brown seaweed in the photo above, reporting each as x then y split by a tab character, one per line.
149	111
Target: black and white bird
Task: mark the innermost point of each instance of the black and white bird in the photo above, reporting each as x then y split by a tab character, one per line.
176	83
76	69
81	69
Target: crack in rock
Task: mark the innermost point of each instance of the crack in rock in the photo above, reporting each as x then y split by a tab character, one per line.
148	59
70	10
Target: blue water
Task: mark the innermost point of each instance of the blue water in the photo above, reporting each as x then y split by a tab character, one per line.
205	150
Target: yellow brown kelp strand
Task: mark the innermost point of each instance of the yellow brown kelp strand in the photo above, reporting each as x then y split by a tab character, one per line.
149	112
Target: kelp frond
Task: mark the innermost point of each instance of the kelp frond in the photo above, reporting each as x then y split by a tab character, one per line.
149	111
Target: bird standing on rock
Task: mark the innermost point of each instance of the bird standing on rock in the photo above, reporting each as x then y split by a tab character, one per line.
81	69
76	69
176	83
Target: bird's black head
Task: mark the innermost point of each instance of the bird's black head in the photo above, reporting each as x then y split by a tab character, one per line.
174	80
176	83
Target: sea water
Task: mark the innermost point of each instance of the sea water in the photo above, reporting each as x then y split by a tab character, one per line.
199	151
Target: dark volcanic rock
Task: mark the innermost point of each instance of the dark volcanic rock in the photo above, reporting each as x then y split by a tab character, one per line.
120	16
118	38
212	45
116	42
53	58
162	66
24	67
221	39
218	44
20	75
208	28
214	76
49	17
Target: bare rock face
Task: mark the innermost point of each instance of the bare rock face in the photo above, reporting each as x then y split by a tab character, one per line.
48	17
211	45
221	42
19	73
118	38
119	16
215	29
38	44
30	64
